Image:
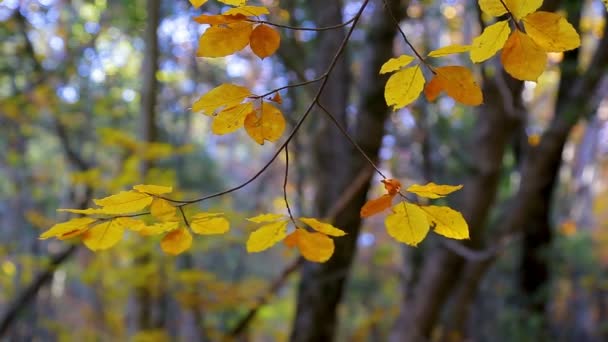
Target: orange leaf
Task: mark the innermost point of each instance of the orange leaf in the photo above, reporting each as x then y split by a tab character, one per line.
377	205
457	82
522	58
219	19
391	185
264	41
277	98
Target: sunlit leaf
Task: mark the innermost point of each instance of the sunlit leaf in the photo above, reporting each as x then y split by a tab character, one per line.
198	3
391	185
264	41
218	19
432	190
315	247
231	119
237	3
176	241
450	50
266	124
68	229
404	87
124	202
397	63
522	58
448	222
153	189
103	235
220	41
262	218
266	236
224	96
408	223
158	228
551	31
376	205
162	210
492	39
209	224
248	11
458	82
322	227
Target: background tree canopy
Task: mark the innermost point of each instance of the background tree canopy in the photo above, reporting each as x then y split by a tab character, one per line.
315	170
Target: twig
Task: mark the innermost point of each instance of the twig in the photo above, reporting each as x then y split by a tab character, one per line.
295	28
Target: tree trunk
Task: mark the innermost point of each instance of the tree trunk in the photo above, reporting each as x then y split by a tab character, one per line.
339	164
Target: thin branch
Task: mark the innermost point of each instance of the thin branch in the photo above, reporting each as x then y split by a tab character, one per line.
511	15
315	29
350	138
285	186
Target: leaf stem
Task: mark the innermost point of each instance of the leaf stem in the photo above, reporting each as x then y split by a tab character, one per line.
315	29
285	185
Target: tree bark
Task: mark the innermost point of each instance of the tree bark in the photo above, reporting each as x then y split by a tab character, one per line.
339	164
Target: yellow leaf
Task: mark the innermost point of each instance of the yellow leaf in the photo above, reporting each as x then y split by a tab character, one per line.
266	236
407	224
209	224
395	64
522	58
234	2
404	87
218	19
125	202
457	82
176	241
103	235
448	222
264	41
130	223
376	205
315	247
158	228
322	227
231	119
521	8
224	96
71	228
493	8
220	41
88	211
248	11
449	50
552	32
432	190
153	189
198	3
162	210
267	126
262	218
491	40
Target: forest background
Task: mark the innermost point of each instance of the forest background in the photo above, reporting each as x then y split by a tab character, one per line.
97	96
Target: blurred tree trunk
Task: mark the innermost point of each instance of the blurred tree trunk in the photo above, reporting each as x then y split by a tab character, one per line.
148	133
338	164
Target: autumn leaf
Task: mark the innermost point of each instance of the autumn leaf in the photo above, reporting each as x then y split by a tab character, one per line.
249	11
519	8
522	58
176	241
224	96
158	228
448	222
266	124
457	82
408	223
552	32
449	50
69	229
322	227
220	41
267	236
262	218
315	247
432	190
264	41
209	223
103	235
404	87
492	39
376	205
218	19
231	119
277	98
392	186
162	210
125	202
395	64
153	189
237	3
130	223
198	3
